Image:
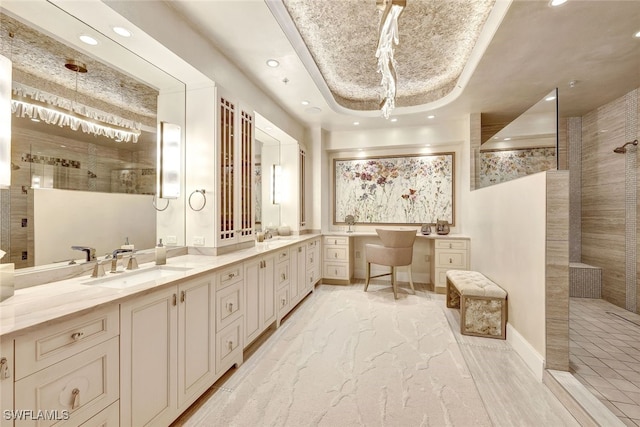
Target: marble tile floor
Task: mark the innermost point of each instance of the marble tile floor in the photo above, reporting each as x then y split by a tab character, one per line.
605	354
349	358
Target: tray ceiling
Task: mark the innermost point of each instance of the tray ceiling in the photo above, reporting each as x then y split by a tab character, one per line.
436	40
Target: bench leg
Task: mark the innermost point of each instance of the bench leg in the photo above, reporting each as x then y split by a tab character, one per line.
366	283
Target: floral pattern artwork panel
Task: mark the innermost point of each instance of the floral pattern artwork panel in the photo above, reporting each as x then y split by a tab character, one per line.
395	190
502	166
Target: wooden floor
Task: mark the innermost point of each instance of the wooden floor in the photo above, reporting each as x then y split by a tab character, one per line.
510	393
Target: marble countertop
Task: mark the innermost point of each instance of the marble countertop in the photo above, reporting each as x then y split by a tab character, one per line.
433	235
31	307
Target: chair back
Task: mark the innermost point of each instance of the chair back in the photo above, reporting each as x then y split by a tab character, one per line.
396	238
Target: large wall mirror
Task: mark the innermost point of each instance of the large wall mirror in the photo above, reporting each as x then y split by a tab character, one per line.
266	163
74	183
527	145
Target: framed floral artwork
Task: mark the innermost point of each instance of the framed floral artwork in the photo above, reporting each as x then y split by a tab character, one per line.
411	189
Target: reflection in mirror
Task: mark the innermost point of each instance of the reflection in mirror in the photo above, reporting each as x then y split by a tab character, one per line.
527	145
73	184
267	155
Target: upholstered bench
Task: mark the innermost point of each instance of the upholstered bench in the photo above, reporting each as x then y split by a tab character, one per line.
482	304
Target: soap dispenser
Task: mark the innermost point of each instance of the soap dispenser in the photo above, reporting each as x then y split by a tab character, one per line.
161	254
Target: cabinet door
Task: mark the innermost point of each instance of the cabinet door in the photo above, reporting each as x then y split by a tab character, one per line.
302	272
196	335
6	379
297	256
226	171
268	294
148	354
246	210
252	271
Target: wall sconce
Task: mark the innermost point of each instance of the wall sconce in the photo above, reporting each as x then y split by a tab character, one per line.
169	161
5	122
276	184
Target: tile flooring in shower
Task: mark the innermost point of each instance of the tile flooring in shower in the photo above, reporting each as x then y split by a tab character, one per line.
605	354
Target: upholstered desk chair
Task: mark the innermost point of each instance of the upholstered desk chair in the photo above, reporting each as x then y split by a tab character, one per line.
396	251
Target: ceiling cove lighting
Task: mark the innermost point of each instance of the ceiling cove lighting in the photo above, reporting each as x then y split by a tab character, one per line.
387	38
5	122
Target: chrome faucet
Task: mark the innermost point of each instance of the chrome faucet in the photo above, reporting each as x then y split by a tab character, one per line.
91	252
114	258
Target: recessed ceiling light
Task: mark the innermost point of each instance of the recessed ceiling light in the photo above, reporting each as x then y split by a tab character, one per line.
550	98
507	139
356	123
88	40
555	3
63	146
305	102
272	63
121	31
637	35
431	117
394	120
35	120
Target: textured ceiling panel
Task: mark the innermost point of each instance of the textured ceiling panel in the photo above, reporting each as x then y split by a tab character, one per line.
436	40
38	61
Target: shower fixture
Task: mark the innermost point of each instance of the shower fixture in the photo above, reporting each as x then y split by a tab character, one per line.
622	150
14	167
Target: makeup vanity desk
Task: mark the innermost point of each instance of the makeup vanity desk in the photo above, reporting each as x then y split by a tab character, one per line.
447	252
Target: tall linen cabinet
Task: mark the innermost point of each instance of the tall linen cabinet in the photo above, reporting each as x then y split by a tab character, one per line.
234	211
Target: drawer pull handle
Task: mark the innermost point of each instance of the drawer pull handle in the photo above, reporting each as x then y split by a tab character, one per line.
230	344
284	301
77	335
183	296
284	276
335	242
4	369
175	299
450	261
230	307
336	271
75	393
311	260
335	254
450	245
300	249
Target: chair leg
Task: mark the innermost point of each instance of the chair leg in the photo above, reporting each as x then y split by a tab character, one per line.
366	283
411	280
393	282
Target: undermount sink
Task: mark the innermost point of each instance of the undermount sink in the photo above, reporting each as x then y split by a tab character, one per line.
128	279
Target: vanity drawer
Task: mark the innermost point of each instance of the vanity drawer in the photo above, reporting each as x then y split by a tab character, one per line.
283	255
282	274
334	253
336	271
81	386
311	258
109	417
229	276
336	240
44	347
228	345
453	260
282	301
229	305
451	244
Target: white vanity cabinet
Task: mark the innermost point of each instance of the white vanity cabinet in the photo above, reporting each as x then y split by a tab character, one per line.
234	212
448	254
313	264
66	372
167	349
282	279
337	260
260	296
297	282
6	379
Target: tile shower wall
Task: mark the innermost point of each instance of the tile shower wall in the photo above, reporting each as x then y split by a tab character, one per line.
65	164
609	198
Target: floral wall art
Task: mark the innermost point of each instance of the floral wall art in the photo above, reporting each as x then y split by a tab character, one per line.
413	189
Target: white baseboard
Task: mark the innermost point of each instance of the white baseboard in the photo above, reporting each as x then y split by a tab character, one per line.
529	355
